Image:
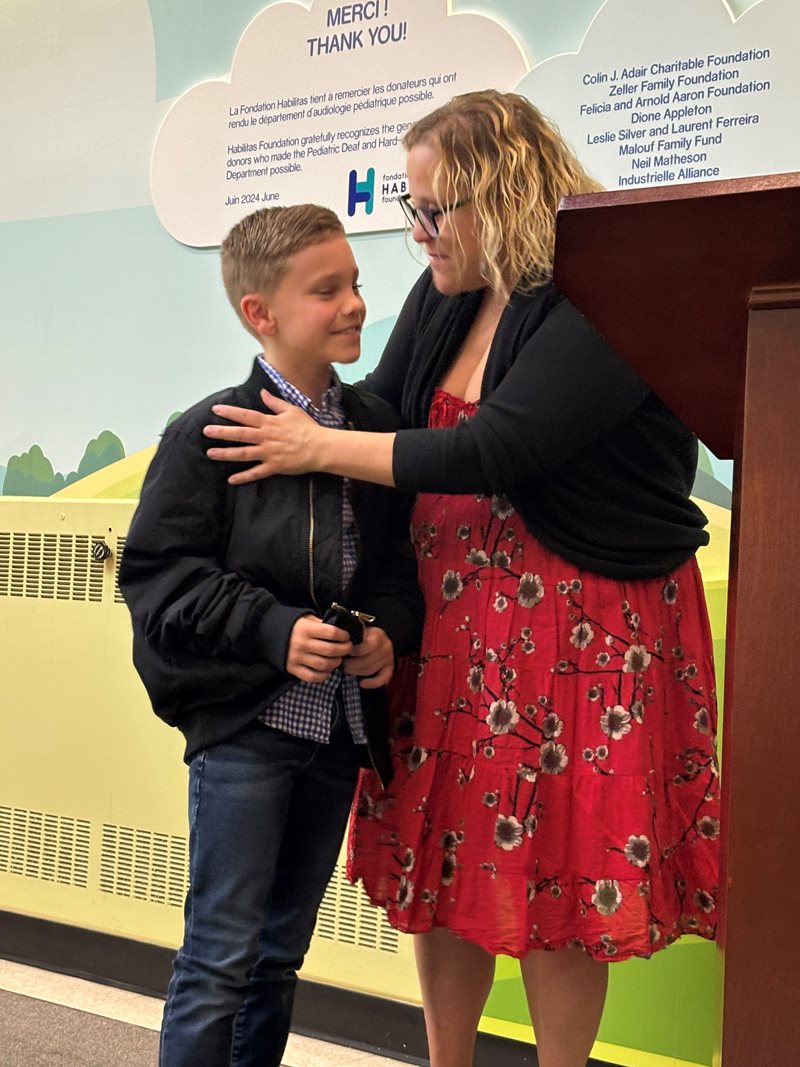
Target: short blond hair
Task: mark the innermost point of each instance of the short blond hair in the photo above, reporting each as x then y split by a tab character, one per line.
512	163
255	254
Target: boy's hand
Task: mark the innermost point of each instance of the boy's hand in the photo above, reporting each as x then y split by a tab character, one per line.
316	649
373	660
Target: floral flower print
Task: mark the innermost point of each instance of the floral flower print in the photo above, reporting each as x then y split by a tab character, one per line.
448	868
405	893
582	635
477	557
452	585
475	678
531	590
702	721
637	659
501	508
670	591
507	832
507	676
553	758
416	758
616	722
607	896
552	725
708	826
704	901
637	850
503	716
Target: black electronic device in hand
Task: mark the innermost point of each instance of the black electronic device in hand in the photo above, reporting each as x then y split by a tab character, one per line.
353	622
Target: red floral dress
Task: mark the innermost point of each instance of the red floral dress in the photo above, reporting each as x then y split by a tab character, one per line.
556	780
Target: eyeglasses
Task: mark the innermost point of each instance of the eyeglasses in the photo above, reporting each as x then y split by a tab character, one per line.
425	216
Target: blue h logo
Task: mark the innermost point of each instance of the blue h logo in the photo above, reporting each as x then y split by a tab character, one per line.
361	192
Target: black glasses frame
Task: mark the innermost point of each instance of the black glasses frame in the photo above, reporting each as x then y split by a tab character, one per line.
424	216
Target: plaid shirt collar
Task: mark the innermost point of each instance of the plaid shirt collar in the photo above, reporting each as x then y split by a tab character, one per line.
331	409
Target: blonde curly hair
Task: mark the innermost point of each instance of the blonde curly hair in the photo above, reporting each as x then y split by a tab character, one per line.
512	163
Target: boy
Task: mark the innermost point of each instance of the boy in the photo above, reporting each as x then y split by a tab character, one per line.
227	587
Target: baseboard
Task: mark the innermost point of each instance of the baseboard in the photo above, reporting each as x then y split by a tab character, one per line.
358	1020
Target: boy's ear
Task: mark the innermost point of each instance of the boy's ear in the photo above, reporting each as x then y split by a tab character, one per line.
256	314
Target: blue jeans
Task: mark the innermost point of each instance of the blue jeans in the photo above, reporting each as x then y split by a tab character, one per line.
267	813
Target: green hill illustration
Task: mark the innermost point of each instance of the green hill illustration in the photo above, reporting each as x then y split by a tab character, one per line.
32	473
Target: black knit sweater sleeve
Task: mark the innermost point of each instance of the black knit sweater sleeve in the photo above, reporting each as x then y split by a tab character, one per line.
565	389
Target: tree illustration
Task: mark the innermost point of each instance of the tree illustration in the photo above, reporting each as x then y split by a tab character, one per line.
102	450
32	474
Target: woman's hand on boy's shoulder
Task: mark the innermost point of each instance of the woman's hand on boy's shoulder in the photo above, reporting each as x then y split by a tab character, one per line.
283	440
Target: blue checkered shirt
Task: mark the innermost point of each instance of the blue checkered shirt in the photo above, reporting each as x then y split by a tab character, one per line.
306	709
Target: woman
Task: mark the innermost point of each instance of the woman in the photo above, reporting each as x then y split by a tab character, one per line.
556	791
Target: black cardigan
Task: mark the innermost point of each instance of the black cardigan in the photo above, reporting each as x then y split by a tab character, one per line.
598	467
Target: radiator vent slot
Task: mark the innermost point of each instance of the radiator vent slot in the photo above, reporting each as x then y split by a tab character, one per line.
118	597
52	848
48	566
144	865
347	916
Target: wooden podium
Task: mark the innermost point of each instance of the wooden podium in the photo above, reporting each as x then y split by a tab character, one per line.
698	287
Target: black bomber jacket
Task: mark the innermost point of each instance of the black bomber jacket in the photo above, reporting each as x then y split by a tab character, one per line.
215	575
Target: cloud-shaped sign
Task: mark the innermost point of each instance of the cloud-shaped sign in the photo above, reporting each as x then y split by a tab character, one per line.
661	94
314	108
77	106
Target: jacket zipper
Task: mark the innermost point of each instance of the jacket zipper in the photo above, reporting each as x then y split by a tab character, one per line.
378	774
311	524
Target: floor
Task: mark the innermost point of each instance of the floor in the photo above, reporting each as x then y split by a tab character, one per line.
142	1011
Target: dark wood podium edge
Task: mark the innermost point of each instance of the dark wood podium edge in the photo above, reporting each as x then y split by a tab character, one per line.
760	887
691	191
698	250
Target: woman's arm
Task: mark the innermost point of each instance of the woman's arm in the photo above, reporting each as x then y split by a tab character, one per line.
288	441
566	389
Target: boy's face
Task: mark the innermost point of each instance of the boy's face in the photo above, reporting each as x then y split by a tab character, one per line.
313	317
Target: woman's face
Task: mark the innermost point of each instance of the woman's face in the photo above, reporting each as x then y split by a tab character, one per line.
455	255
